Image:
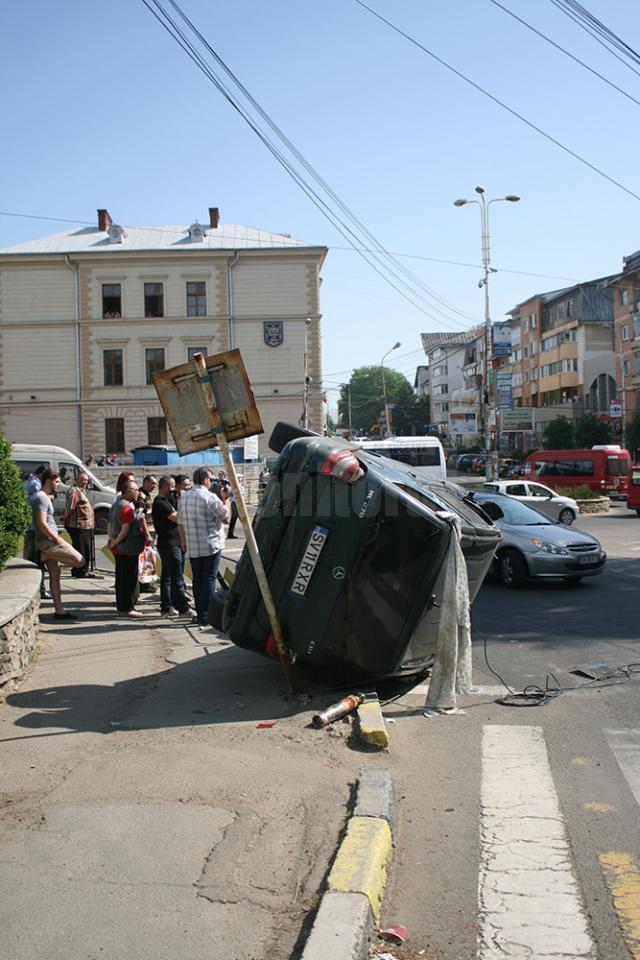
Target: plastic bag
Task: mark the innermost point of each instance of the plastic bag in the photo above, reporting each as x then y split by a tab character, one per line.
147	566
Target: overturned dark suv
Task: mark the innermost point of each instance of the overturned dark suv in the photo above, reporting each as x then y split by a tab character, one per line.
353	546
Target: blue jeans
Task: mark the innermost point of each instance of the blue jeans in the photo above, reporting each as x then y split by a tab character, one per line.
171	579
204	570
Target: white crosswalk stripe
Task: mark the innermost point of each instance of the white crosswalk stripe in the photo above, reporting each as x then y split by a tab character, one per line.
529	900
625	745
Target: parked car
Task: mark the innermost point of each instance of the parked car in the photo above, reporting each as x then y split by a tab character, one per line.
479	465
547	501
353	546
534	547
465	461
506	465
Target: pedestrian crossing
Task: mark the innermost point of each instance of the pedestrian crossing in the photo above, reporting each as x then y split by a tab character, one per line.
530	899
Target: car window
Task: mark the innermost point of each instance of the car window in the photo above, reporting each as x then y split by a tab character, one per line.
492	486
538	491
67	472
514	512
516	489
27	467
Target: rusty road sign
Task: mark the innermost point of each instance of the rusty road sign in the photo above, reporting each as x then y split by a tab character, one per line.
185	406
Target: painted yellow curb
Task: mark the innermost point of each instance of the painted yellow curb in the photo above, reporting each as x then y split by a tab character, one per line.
372	730
361	863
623	880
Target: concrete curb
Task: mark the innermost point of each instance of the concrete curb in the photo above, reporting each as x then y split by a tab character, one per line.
350	907
371	728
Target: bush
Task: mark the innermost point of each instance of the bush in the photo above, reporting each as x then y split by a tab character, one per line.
583	492
15	512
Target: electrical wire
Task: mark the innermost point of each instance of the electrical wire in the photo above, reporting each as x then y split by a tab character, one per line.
500	103
566	52
396	275
599	32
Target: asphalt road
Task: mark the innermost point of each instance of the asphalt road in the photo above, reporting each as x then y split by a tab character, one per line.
519	824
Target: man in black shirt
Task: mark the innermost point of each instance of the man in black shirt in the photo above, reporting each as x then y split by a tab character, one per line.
173	600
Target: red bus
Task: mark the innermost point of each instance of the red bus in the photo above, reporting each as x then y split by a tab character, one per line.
603	468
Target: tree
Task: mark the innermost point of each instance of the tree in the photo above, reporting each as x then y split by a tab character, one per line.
589	431
632	437
367	396
558	434
14	508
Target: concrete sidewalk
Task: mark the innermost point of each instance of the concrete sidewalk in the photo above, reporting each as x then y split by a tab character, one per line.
144	813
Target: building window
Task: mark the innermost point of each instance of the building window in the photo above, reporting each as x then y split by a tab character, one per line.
154	361
111	301
440	388
625	368
533	320
525	352
157	431
114	435
196	299
636	328
624	296
153	300
570	305
191	352
113	368
624	332
637	360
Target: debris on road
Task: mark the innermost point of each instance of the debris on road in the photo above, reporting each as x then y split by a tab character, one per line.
336	710
396	933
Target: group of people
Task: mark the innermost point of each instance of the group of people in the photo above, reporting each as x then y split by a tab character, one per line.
188	519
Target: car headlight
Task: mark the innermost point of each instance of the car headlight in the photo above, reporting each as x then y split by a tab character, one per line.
550	548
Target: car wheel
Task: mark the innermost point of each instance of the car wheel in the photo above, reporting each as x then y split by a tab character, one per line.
513	568
566	515
638	512
101	521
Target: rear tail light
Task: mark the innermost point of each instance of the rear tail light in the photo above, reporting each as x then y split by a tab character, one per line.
342	465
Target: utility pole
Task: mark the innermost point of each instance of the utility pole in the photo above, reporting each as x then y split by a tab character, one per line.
488	398
384	387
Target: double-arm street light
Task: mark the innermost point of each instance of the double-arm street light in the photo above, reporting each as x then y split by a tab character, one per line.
384	387
488	407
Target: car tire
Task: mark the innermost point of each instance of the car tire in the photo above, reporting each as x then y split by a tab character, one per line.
513	569
566	516
638	513
284	432
101	521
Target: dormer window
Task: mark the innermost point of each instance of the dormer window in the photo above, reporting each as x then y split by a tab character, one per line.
116	233
196	232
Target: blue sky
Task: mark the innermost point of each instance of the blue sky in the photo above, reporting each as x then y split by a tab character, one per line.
101	108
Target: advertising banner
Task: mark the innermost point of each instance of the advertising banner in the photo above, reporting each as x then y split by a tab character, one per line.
518	420
463	424
501	339
504	394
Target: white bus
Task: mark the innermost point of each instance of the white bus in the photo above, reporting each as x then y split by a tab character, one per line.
424	454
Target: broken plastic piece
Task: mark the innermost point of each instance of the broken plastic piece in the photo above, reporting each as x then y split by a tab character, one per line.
396	933
265	726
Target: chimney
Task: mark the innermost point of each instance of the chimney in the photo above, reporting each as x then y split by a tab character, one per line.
214	217
104	220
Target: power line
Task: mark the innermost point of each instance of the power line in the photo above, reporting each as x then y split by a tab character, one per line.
596	29
566	52
501	103
378	261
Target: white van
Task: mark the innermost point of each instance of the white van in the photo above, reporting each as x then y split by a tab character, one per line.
29	456
424	454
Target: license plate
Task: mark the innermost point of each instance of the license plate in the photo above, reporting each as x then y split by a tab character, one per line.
309	560
592	558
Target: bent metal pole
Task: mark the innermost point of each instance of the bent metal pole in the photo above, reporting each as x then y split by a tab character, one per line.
252	546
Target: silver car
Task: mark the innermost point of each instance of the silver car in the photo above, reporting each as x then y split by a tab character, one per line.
533	546
536	495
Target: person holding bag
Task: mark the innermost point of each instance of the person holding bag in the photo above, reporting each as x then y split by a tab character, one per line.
126	542
79	522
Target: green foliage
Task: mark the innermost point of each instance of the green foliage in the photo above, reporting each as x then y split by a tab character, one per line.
408	415
632	438
589	431
15	512
558	434
581	492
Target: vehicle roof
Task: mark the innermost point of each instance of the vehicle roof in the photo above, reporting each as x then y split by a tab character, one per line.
402	442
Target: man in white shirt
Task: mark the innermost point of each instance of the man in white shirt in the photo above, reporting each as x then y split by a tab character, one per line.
201	519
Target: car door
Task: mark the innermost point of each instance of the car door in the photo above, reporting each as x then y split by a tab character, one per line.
543	500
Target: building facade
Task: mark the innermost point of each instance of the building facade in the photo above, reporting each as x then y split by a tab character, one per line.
88	315
455	383
626	307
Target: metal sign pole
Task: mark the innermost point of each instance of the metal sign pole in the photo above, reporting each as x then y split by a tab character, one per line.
252	546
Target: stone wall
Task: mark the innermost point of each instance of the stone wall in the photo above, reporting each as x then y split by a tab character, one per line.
19	624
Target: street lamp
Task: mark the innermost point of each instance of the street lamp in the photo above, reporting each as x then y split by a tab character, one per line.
488	406
384	386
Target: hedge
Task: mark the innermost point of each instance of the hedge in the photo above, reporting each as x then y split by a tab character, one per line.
15	512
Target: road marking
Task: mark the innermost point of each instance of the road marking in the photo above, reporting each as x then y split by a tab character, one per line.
625	745
476	691
623	879
595	807
529	900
